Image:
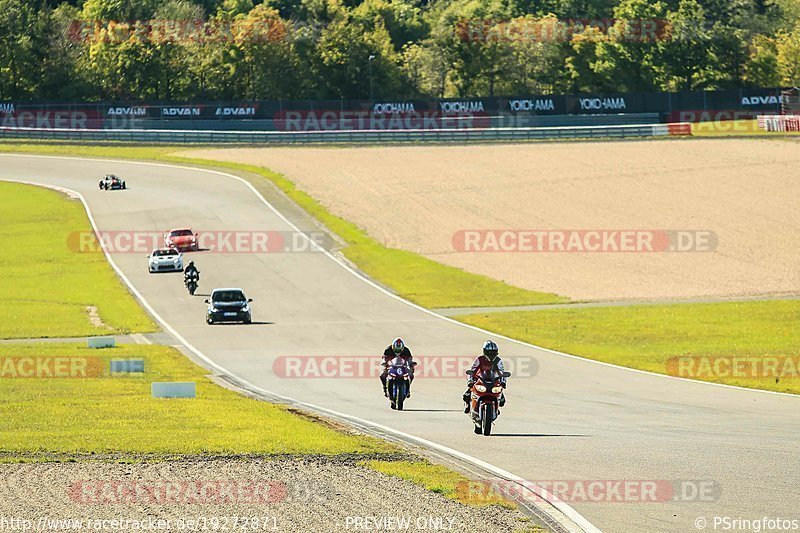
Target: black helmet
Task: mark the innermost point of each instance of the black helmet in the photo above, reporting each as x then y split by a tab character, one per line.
191	263
398	345
490	350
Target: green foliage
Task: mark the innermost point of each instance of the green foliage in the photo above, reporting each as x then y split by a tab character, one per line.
22	48
119	10
762	65
788	47
451	48
350	58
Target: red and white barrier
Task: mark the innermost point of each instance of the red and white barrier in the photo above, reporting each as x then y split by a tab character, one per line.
673	128
779	123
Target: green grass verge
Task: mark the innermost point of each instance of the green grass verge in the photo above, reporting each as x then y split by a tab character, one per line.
46	287
412	276
437	478
116	414
646	337
737	128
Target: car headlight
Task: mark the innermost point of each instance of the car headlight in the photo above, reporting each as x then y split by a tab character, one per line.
177	261
497	390
213	309
246	309
480	388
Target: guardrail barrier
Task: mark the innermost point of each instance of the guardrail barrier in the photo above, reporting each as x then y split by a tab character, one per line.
344	137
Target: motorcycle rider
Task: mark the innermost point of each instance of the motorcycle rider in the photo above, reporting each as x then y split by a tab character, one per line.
190	271
397	348
488	361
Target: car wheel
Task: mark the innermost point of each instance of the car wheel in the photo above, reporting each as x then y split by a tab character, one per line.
248	320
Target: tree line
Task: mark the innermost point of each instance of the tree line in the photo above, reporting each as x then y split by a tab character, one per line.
389	49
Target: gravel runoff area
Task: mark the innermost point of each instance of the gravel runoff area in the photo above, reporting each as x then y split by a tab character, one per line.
255	495
417	197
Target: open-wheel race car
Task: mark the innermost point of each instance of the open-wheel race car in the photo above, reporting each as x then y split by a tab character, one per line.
112	182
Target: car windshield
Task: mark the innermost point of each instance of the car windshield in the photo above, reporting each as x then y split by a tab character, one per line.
160	253
228	296
180	232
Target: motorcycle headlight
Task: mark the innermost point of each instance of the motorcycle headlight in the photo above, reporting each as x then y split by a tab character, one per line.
497	390
480	388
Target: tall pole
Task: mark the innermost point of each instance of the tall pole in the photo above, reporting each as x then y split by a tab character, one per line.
371	92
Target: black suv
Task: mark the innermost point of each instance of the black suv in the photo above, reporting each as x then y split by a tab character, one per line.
228	305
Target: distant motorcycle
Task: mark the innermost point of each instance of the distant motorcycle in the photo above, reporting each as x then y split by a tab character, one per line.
398	381
191	280
485	399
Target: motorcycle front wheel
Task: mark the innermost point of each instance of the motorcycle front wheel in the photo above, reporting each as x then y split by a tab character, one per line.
487	417
400	394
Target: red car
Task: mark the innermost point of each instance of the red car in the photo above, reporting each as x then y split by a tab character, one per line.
183	239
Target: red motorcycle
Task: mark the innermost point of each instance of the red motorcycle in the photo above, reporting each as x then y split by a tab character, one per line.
485	399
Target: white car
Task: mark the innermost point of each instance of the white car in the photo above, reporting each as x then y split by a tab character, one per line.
165	260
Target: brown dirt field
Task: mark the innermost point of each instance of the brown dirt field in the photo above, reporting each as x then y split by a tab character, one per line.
416	197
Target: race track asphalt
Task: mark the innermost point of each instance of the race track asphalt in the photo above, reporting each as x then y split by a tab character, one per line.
572	420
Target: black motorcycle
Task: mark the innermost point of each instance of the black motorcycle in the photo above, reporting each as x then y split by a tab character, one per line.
191	280
398	381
